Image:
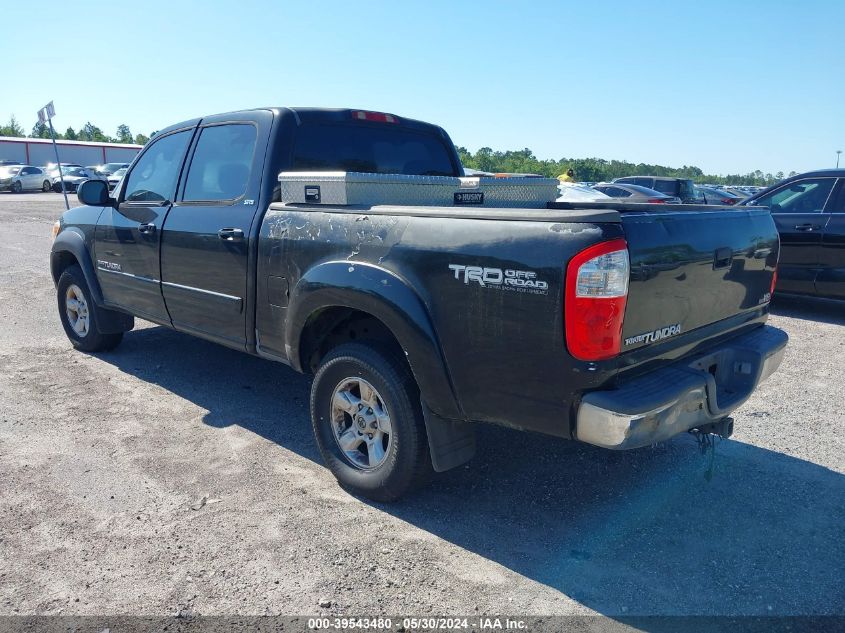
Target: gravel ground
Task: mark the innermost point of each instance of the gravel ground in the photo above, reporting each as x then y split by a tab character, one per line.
175	476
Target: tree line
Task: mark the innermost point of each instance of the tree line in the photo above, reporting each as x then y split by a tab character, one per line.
599	169
88	132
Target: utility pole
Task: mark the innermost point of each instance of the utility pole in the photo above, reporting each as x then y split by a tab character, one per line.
838	152
48	112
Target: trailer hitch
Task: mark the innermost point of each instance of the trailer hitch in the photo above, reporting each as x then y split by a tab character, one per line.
706	435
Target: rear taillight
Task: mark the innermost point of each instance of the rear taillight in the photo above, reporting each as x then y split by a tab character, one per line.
594	304
657	200
774	283
379	117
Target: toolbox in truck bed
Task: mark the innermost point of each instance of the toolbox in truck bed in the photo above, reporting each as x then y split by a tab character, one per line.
357	188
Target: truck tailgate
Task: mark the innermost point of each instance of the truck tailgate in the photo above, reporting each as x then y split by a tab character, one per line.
695	266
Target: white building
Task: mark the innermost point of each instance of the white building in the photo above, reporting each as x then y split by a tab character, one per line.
39	151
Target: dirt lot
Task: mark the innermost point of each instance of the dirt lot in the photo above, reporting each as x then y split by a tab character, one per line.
173	475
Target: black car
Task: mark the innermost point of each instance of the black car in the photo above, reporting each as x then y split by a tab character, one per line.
809	211
682	188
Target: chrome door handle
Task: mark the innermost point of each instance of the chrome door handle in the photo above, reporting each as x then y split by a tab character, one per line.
147	229
230	235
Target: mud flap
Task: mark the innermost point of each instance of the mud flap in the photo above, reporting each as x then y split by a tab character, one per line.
451	442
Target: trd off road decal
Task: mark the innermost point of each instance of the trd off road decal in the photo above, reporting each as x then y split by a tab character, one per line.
654	335
501	279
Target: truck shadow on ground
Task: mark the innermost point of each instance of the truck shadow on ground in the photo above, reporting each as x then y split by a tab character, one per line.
664	530
810	308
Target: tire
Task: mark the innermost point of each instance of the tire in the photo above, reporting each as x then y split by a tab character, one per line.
46	187
350	371
57	187
17	187
79	314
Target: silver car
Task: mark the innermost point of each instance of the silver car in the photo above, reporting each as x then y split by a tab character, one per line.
114	179
18	178
73	177
635	193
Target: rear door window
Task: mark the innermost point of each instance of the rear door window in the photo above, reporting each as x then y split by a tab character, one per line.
802	196
385	149
222	163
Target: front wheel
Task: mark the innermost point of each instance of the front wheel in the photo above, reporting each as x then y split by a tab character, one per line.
368	423
79	314
17	187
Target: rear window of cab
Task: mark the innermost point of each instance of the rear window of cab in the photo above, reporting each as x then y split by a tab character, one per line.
382	149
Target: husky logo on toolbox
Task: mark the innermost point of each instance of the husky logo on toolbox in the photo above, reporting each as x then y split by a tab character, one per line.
469	197
655	335
508	279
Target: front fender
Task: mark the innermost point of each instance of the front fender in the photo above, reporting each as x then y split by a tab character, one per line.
72	241
385	296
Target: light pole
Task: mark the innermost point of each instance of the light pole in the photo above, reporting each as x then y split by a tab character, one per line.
838	152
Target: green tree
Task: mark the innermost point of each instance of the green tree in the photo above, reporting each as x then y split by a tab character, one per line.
91	132
12	128
123	134
40	130
71	135
140	139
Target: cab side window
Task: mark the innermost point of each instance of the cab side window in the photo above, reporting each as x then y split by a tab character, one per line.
153	179
803	196
222	163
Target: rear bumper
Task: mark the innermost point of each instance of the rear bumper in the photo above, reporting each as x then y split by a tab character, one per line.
688	394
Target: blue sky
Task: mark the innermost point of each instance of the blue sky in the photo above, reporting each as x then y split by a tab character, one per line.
730	86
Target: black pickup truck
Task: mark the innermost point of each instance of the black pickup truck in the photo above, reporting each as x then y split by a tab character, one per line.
616	325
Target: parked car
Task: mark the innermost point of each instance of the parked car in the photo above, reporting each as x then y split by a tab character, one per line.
635	193
742	195
573	192
809	211
107	169
52	170
73	177
681	188
578	320
712	195
114	179
18	178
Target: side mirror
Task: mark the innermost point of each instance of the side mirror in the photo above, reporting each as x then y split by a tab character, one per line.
94	193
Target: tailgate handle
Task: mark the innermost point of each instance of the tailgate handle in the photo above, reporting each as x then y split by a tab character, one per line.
722	258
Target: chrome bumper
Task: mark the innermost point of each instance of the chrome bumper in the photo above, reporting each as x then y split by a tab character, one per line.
685	395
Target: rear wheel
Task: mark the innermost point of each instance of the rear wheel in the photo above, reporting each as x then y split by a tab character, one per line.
45	186
368	422
79	314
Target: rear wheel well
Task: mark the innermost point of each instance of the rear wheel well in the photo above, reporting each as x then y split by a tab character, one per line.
61	261
330	327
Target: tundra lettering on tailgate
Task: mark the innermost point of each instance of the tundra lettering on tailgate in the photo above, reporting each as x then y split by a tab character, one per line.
655	335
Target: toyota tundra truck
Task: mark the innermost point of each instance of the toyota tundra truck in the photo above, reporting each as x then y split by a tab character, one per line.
616	325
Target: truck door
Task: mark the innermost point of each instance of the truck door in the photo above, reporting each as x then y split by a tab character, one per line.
830	281
127	238
798	211
206	243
